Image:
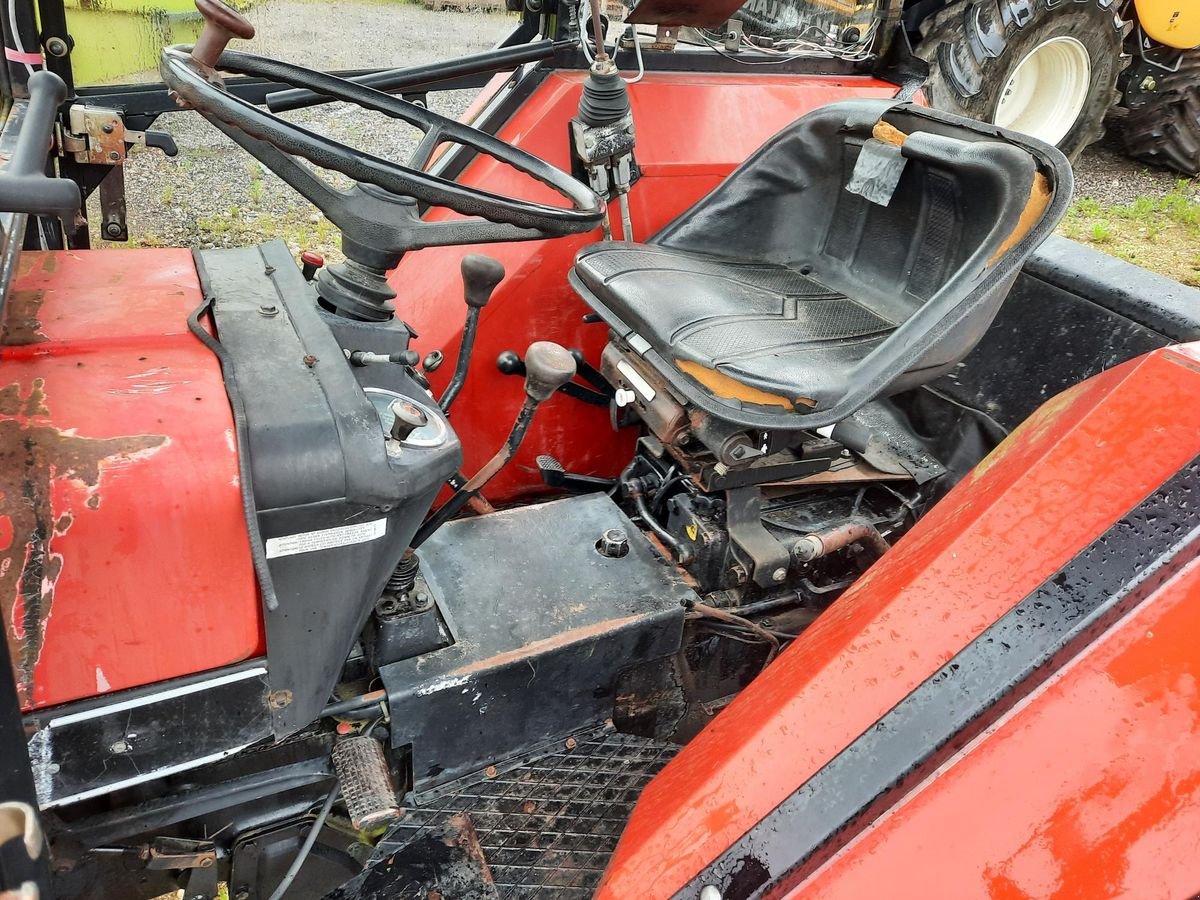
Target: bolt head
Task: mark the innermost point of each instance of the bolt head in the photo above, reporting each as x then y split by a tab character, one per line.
613	544
121	746
779	575
114	156
57	47
112	229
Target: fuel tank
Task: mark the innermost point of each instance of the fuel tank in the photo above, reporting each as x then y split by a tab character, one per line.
124	555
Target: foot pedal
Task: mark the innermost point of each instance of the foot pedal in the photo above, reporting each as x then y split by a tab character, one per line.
367	788
555	476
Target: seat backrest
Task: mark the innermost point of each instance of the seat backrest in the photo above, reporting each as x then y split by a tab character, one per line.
936	254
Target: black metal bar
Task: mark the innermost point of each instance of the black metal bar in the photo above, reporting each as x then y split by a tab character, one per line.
163	812
463	364
415	78
57	41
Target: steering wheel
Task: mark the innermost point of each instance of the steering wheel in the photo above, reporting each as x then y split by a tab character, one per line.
191	72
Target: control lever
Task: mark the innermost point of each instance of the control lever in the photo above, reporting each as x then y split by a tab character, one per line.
555	476
547	368
222	24
509	362
480	275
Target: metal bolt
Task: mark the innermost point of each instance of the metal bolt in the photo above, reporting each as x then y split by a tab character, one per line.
280	699
490	772
779	575
107	128
571	743
242	894
113	229
114	156
613	544
56	46
1149	84
121	746
739	573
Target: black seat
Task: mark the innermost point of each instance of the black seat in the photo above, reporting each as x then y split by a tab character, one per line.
782	300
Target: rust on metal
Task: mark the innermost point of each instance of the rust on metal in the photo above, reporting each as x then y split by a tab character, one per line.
22	324
33	458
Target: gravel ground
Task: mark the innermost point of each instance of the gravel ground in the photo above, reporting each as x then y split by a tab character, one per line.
1103	173
214	194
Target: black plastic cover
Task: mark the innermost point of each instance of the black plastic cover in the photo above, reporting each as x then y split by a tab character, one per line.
336	510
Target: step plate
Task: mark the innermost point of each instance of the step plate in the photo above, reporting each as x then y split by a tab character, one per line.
547	826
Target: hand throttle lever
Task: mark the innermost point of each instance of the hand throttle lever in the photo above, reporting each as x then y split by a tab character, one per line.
547	368
222	23
480	275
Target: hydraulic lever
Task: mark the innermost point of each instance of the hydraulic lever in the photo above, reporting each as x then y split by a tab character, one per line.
480	275
547	368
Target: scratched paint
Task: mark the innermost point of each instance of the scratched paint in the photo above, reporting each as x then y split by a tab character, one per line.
34	456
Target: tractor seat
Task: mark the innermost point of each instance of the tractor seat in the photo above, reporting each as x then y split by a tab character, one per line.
784	300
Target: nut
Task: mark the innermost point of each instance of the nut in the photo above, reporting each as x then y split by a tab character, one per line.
279	699
571	743
613	544
490	772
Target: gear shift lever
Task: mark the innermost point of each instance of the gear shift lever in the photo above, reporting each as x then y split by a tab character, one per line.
547	368
480	275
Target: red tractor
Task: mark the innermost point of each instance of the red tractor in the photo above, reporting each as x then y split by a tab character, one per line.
712	486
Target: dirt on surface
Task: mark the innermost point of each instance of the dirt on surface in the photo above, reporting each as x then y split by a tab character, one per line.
214	194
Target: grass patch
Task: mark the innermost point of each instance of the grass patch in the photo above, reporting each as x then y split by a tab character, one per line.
1158	233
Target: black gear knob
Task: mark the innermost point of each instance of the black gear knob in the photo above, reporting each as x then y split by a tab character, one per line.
548	367
480	275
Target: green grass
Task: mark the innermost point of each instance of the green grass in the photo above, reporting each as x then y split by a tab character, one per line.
1158	233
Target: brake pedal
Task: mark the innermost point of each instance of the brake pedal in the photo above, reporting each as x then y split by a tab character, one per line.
367	789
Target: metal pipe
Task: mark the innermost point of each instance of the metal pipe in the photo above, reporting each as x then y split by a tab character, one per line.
354	704
822	543
682	554
397	80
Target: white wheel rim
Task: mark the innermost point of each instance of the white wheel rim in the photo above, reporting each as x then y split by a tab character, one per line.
1047	91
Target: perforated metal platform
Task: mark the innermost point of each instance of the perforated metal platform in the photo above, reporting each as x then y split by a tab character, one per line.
548	825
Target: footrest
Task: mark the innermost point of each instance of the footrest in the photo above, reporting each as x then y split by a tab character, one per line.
367	788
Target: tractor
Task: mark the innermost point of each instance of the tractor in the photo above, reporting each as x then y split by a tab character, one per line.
701	475
1055	70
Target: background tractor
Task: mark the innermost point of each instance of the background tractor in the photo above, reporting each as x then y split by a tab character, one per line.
1055	69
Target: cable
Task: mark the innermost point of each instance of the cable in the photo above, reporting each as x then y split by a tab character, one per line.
294	868
720	615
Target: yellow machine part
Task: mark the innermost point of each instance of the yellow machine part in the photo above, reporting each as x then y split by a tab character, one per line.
1175	23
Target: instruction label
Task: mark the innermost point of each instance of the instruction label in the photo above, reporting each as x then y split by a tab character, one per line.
326	538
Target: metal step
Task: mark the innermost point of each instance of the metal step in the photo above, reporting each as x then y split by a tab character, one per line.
546	825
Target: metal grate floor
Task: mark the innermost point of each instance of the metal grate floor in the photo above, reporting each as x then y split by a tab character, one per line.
547	826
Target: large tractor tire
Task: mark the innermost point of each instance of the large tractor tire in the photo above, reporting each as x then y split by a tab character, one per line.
1047	68
1165	130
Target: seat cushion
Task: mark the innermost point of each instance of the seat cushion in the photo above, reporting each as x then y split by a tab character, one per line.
748	331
